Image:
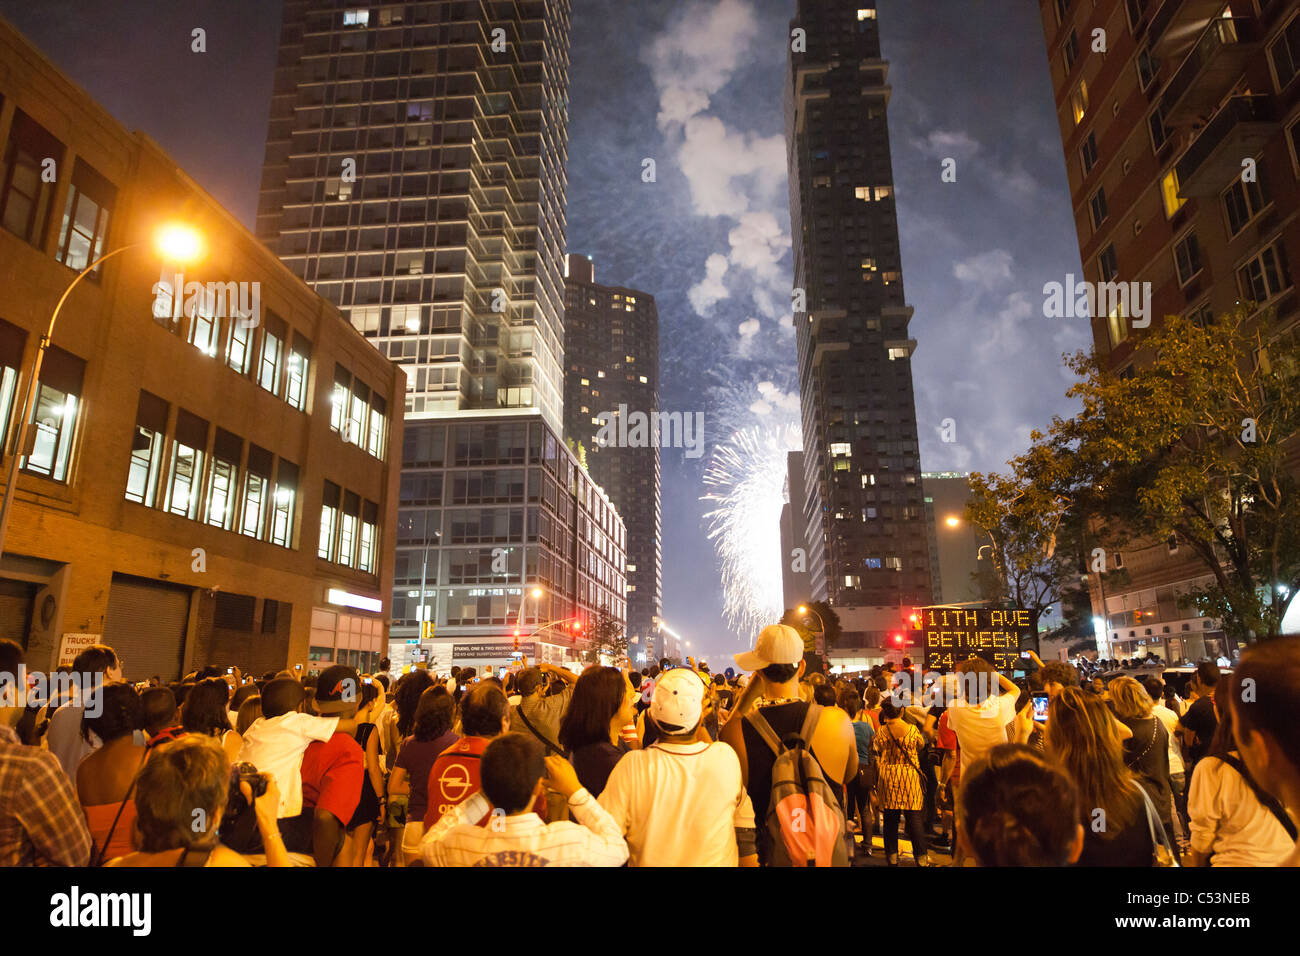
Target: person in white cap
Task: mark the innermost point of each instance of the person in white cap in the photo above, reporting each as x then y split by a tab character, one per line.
681	801
778	664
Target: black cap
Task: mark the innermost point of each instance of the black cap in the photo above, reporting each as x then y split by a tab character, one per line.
338	685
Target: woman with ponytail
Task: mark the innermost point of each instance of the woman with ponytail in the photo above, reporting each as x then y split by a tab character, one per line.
106	778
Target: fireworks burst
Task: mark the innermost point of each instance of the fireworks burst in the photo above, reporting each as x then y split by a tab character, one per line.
746	480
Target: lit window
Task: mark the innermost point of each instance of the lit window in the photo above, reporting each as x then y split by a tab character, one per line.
600	375
1079	102
378	419
329	516
286	489
25	196
203	322
146	450
1117	326
339	397
254	505
868	481
272	357
348	521
356	18
1169	190
897	353
842	449
54	418
355	430
866	14
644	380
221	497
85	218
295	389
238	351
367	546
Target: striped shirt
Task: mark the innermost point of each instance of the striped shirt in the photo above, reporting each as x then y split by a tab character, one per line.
41	823
524	839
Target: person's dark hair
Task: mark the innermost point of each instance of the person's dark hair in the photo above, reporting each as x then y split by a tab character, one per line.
384	663
1059	672
249	711
888	709
483	711
118	708
848	700
654	671
434	715
187	774
182	691
1018	809
281	696
455	671
529	680
597	697
95	659
664	664
1207	673
1223	743
871	696
824	695
1274	667
157	709
780	673
369	693
1155	687
407	698
511	766
384	680
242	693
205	708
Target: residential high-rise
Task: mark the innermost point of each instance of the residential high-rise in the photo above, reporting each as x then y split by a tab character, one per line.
955	551
1157	134
611	357
866	528
414	175
796	583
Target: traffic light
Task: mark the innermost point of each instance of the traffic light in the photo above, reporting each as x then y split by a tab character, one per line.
898	640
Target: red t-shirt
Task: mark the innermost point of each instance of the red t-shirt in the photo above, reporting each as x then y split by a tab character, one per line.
454	778
332	772
946	738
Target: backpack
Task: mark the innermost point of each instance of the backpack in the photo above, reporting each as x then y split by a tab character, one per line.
804	820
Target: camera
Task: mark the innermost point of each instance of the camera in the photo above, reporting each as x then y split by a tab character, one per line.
247	773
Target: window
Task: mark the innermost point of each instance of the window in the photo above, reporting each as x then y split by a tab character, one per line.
1062	10
1284	52
349	518
257	482
286	495
1169	191
1187	259
239	349
1088	153
202	314
898	353
1265	275
1156	127
1107	264
1117	325
329	516
1079	102
271	357
54	418
146	449
185	489
1097	208
223	480
356	18
368	545
25	197
841	450
1070	50
339	397
13	341
359	415
1242	203
1148	67
295	389
85	218
378	419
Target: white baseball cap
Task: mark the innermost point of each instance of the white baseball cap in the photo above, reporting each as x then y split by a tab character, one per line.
678	701
776	644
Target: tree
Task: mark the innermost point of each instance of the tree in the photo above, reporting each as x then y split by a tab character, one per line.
607	635
1191	447
807	626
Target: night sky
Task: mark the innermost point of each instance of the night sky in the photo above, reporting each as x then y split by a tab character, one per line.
697	86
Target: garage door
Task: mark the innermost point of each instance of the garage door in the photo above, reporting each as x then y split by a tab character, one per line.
16	610
146	626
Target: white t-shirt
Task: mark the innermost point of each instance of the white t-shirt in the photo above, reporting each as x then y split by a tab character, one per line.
275	745
679	804
980	728
1229	822
1170	720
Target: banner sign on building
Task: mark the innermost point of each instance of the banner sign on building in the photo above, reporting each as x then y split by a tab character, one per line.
952	635
492	651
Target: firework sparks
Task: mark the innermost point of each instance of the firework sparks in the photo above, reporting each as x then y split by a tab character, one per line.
746	480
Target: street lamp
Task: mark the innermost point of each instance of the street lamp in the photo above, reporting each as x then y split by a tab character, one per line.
952	521
174	242
805	610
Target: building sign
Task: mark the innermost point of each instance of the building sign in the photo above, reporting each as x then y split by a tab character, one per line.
952	635
491	651
74	644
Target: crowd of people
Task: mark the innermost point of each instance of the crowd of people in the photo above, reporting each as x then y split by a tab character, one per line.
763	764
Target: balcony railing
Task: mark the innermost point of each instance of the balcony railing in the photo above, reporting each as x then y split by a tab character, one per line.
1178	24
1237	131
1210	71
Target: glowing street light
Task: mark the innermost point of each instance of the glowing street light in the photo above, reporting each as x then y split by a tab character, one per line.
179	243
952	521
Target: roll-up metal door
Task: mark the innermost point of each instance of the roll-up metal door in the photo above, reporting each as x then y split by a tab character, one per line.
146	625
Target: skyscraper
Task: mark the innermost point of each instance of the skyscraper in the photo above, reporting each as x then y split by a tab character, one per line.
864	509
414	175
1157	135
611	355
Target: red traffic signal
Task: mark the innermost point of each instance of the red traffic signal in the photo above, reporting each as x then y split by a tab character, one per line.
898	639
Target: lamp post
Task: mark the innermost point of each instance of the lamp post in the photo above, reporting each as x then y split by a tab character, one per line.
820	637
176	243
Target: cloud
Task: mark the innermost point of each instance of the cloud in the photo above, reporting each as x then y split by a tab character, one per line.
986	269
774	397
943	144
748	329
710	290
696	57
729	170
